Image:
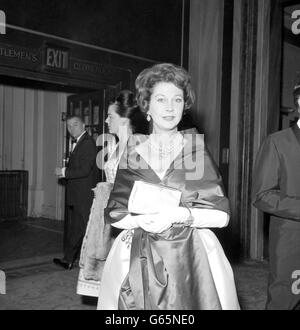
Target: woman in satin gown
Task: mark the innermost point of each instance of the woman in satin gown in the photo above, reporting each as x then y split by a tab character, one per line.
167	259
124	118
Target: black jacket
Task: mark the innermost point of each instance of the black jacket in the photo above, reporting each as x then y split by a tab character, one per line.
82	174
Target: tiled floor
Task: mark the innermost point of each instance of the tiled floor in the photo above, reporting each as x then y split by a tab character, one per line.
35	283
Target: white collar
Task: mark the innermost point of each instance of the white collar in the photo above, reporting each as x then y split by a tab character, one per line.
79	137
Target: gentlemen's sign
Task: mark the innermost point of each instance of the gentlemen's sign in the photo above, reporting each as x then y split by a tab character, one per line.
56	58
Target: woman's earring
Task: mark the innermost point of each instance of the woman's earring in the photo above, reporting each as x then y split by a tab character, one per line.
148	117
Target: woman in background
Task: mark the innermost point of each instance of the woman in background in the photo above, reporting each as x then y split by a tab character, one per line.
124	118
167	258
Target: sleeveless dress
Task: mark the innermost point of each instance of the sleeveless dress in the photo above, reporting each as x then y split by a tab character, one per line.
97	241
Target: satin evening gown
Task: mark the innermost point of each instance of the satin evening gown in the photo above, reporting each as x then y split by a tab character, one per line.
182	268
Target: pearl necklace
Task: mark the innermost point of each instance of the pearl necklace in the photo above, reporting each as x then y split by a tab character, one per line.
165	149
160	148
167	144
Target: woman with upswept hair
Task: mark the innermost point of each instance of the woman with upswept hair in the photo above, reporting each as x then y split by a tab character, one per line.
167	193
124	118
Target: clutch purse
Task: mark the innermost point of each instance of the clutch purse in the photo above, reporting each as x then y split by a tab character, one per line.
147	198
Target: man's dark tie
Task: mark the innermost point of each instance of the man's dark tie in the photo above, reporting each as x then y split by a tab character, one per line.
74	141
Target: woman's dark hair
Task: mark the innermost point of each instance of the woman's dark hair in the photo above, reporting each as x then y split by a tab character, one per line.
128	108
164	72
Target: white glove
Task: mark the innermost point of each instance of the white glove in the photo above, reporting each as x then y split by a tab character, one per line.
177	214
159	222
153	223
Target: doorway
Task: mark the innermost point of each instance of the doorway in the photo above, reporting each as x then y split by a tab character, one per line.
34	136
92	108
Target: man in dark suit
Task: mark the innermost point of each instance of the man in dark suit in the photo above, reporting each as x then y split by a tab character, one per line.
276	190
81	175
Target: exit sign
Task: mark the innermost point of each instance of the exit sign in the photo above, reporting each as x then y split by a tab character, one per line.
56	58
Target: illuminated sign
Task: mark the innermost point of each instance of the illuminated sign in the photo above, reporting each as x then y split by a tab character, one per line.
56	58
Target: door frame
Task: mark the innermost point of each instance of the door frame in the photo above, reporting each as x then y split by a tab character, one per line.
255	110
